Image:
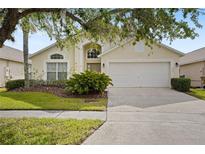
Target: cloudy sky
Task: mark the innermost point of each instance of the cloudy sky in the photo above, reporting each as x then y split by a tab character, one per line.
40	40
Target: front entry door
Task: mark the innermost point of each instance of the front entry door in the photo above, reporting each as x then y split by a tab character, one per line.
94	67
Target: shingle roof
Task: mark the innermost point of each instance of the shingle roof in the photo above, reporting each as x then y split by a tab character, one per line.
194	56
12	54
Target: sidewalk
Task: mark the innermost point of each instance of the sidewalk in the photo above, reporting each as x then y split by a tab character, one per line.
53	114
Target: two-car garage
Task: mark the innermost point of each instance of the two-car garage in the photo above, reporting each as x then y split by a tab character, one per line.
140	74
131	66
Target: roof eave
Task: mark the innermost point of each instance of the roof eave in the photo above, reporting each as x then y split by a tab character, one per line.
42	50
161	44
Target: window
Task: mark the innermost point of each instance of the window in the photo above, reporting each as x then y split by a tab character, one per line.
93	53
56	56
56	71
94	67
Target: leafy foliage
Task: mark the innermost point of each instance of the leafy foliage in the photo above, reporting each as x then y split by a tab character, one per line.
88	82
13	84
55	83
71	25
181	84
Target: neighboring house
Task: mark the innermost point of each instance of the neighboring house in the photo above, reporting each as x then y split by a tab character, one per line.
192	66
128	65
11	64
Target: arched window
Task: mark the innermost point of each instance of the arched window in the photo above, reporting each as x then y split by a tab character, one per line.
56	56
93	53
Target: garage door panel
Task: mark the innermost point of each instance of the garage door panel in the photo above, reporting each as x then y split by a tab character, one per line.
140	74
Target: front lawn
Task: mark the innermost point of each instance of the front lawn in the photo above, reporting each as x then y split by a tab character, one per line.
199	93
45	101
2	89
45	130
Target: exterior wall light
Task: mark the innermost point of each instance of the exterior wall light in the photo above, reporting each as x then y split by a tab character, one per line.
177	64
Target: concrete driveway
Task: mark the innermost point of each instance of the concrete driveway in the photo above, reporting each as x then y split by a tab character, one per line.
146	97
151	116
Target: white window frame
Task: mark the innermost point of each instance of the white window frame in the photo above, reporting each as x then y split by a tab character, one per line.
56	71
49	60
92	58
56	54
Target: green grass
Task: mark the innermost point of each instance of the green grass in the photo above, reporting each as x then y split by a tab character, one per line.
2	89
45	130
199	93
45	101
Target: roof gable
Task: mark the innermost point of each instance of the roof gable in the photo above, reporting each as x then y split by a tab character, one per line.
160	44
12	54
194	56
42	50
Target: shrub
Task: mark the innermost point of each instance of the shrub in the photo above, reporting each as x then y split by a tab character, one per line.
88	82
55	83
181	84
13	84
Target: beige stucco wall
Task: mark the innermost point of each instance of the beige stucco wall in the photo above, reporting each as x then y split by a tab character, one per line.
16	71
39	61
194	71
80	55
132	53
76	57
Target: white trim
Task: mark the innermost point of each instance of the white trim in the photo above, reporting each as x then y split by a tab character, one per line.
170	61
193	61
42	50
60	53
91	59
172	49
50	61
142	60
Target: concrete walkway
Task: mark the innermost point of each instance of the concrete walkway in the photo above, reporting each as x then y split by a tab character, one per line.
53	114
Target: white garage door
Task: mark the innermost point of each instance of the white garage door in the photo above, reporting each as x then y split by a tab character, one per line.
140	74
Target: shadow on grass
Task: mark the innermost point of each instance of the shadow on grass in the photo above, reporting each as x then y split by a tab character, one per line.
39	100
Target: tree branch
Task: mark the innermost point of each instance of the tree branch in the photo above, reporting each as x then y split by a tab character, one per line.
113	11
68	14
38	10
73	17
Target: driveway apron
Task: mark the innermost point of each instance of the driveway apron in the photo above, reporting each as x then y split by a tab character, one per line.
151	116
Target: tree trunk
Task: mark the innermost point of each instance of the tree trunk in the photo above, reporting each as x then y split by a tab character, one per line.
25	54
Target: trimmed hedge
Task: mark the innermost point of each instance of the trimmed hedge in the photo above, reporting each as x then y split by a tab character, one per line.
181	84
88	82
13	84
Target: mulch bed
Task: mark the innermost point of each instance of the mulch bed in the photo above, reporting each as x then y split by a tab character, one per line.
59	92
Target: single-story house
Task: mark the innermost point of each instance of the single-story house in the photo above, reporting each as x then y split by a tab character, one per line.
128	65
11	64
192	66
